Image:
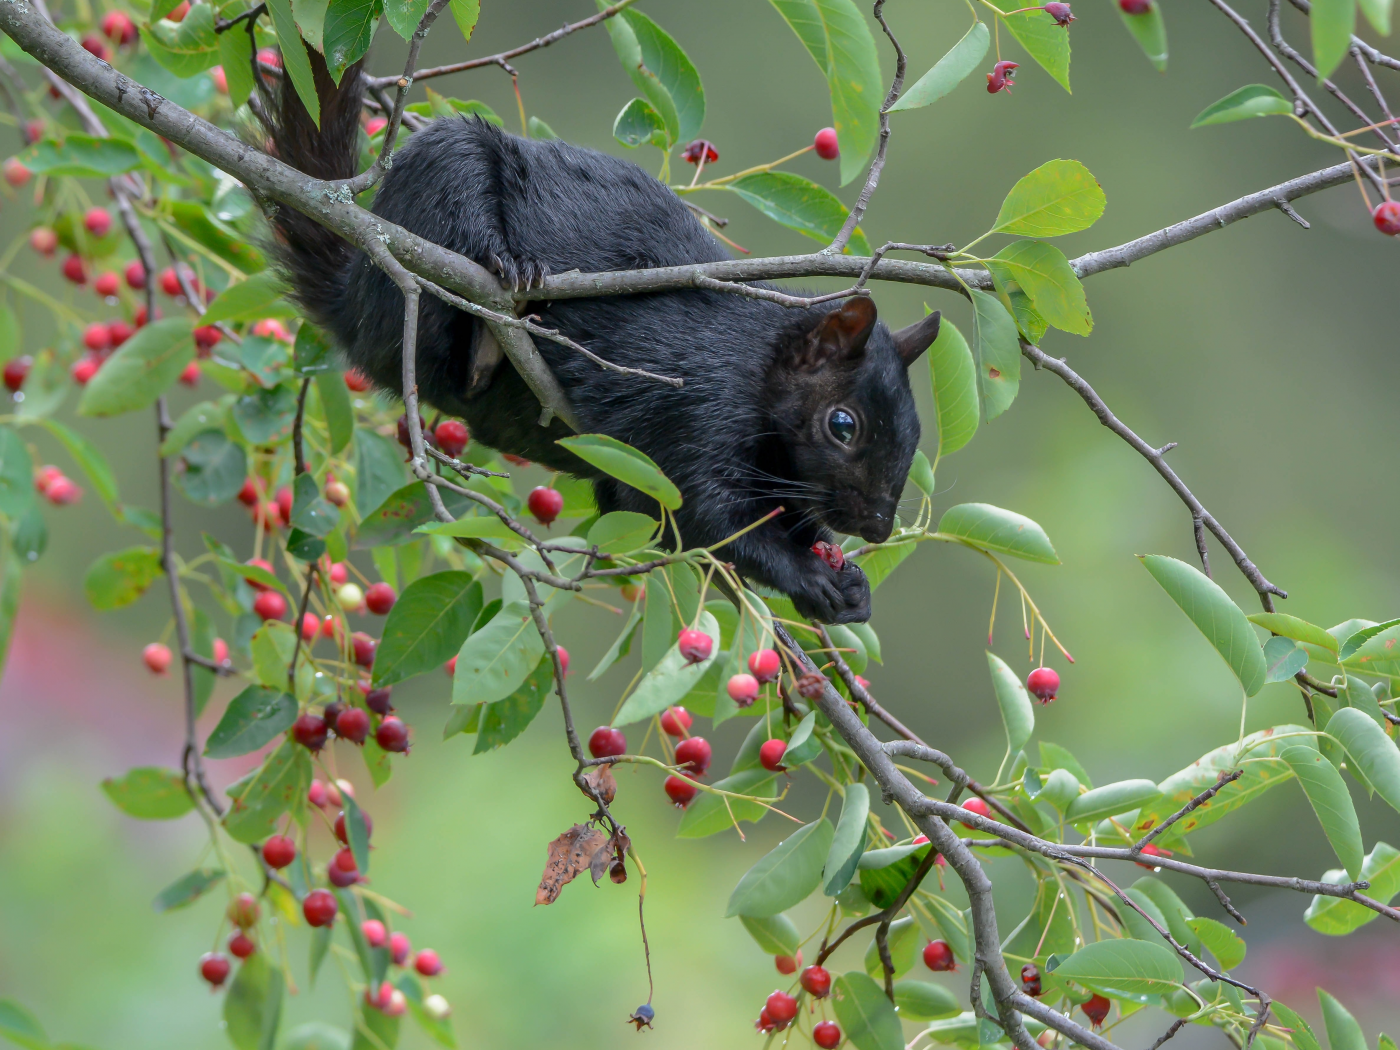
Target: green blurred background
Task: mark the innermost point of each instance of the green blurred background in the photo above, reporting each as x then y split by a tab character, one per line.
1266	351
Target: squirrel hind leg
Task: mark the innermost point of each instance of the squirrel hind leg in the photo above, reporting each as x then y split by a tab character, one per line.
519	273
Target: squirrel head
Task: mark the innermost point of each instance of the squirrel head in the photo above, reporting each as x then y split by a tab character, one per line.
840	399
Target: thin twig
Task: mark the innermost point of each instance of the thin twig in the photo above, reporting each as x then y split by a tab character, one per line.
1200	800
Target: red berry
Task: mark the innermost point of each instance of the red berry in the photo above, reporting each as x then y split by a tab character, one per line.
563	658
220	650
62	491
1059	12
826	144
206	337
978	806
450	667
830	553
452	436
743	689
284	503
356	381
270	57
781	1007
97	337
693	755
85	368
44	241
260	563
392	735
817	981
214	968
353	725
1387	218
1000	78
340	832
271	328
427	963
310	627
607	742
1135	7
279	851
120	332
376	936
339	574
399	947
243	911
1096	1009
377	700
765	665
827	1035
698	150
770	755
375	125
380	598
939	957
241	945
406	439
178	15
695	646
787	964
170	282
316	793
765	1024
310	731
117	25
919	840
157	656
17	370
319	908
46	476
16	174
107	284
98	221
135	276
1030	980
675	721
1151	851
74	270
364	647
344	860
94	46
190	375
270	605
545	504
1043	684
680	791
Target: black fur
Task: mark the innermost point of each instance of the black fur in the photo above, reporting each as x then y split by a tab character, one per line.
749	430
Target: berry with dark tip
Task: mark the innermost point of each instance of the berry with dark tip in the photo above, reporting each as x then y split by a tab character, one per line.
243	911
380	598
939	957
770	755
1000	78
827	1035
340	826
1030	980
817	981
693	755
310	731
214	967
279	851
1096	1009
826	144
607	742
675	721
1135	7
452	436
642	1016
700	149
392	735
1043	683
545	504
427	963
680	791
695	646
1059	12
320	908
399	947
742	689
352	724
1387	218
377	700
781	1007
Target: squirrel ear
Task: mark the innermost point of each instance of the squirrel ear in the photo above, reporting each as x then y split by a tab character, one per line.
914	340
839	336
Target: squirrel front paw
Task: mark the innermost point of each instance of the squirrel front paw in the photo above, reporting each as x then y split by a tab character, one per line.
519	274
834	596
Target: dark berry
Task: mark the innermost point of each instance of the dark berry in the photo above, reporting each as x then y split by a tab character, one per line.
1030	980
1059	12
811	686
392	735
241	945
700	149
377	700
380	598
353	725
214	968
1096	1009
363	646
310	730
1000	78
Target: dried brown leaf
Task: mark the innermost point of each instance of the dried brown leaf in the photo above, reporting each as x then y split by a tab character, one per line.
569	854
603	783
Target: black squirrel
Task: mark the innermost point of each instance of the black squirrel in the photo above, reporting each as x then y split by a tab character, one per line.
807	408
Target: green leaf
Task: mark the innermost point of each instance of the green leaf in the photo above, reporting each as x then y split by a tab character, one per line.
86	455
294	59
119	578
248	299
1224	944
84	156
902	942
786	876
954	376
775	934
883	560
465	13
996	348
539	129
9	601
625	463
149	793
495	660
503	721
186	47
661	71
214	469
335	405
1371	749
949	71
311	512
1343	1032
403	16
252	718
1043	40
1217	617
1302	1034
265	417
622	532
258	799
1292	627
922	1001
992	528
142	369
867	1017
1335	916
637	124
670	679
1149	29
253	1004
16	474
849	841
1043	273
1139	967
357	832
1112	799
348	31
1333	23
1060	196
379	471
224	241
1017	714
798	204
402	512
802	745
1253	100
1283	658
272	646
236	56
187	889
710	814
426	626
1331	801
1056	757
1377	12
1357	640
921	473
21	1027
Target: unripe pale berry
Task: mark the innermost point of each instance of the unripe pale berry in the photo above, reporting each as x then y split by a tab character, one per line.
781	1007
319	908
157	657
43	240
376	936
1387	218
16	174
693	754
380	598
243	911
427	963
452	436
1043	683
939	957
214	967
338	492
270	605
349	597
675	721
817	981
607	742
826	144
279	851
695	646
770	755
827	1035
436	1007
680	791
545	504
743	689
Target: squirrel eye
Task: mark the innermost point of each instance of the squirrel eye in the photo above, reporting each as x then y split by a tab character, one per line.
842	426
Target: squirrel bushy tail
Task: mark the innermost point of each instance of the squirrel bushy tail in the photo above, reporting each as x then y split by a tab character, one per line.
314	259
